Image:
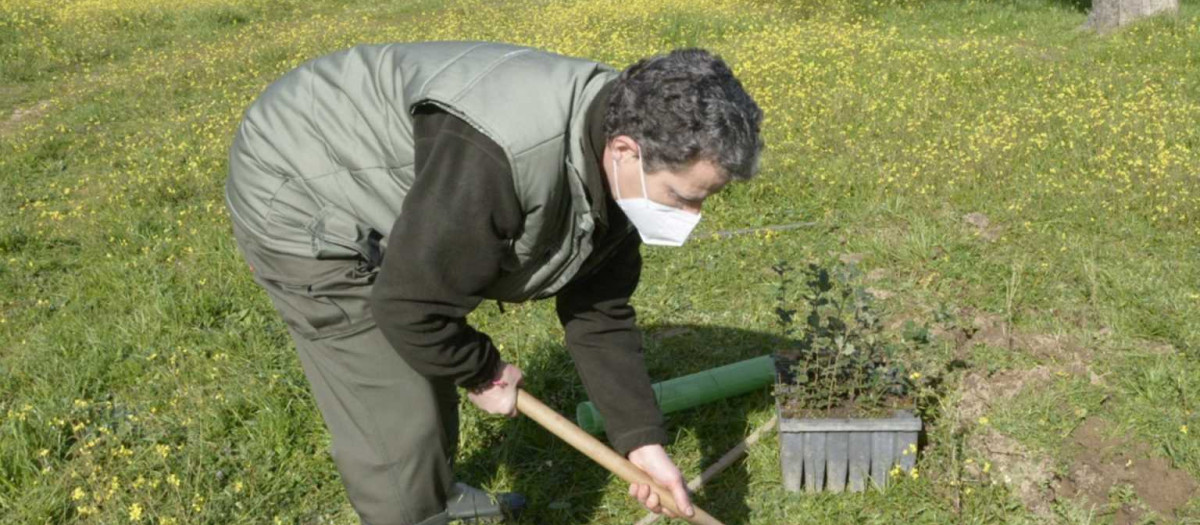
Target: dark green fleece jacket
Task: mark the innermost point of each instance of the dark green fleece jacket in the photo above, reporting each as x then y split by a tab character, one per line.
458	216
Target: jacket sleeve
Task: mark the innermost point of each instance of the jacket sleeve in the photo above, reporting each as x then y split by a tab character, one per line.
606	345
444	249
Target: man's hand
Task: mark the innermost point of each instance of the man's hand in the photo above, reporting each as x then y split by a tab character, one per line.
500	395
653	460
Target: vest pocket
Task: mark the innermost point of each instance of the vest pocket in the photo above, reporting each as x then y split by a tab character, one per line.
337	234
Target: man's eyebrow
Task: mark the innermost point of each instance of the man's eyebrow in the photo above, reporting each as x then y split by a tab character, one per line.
687	197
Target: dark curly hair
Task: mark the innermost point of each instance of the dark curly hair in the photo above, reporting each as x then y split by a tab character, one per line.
684	107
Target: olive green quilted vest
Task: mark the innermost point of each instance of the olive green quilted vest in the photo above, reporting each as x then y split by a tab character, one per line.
322	160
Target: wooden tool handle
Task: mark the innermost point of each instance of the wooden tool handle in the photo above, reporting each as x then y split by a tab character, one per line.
721	464
606	457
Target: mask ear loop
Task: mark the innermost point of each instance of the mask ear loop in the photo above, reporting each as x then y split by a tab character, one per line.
645	194
617	176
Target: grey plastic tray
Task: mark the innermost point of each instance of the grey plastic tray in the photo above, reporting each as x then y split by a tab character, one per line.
842	454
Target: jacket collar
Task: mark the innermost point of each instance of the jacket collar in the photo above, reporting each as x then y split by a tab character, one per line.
597	182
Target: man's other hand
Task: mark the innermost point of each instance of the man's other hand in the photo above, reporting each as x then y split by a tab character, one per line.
499	396
653	460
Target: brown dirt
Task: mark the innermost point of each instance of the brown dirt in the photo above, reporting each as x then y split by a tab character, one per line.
1098	462
880	293
793	409
982	226
1026	472
1059	352
1103	461
852	258
971	327
21	116
980	392
1023	470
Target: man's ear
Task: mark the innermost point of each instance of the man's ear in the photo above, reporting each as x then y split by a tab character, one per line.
623	146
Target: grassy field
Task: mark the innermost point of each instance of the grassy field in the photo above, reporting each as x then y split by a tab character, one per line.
1029	189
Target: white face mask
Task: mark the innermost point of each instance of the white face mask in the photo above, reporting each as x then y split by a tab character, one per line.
658	224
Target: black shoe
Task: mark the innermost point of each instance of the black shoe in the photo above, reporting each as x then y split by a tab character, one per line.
471	505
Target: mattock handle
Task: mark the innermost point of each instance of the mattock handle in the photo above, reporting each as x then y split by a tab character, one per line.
606	457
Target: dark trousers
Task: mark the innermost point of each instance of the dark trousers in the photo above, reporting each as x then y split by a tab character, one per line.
395	432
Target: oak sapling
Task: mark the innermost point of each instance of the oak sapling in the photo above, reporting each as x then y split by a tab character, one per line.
841	362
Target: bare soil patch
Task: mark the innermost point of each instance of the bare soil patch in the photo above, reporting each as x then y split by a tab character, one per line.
982	328
981	392
1104	461
1099	461
21	116
1027	472
982	226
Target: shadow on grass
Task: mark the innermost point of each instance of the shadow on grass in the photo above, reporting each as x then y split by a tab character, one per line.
564	486
1081	6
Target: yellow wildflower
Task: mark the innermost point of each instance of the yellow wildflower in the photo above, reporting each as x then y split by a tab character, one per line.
135	512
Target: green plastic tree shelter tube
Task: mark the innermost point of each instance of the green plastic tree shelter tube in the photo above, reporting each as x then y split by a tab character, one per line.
696	389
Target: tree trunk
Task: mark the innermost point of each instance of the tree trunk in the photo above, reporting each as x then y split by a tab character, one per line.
1111	14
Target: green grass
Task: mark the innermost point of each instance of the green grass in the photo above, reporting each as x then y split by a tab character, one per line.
140	365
